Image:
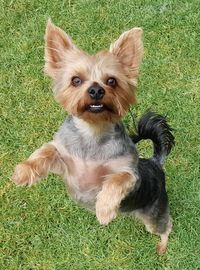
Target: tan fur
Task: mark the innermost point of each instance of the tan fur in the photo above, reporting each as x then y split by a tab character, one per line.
76	100
162	245
81	176
38	165
129	48
102	183
152	228
64	60
114	190
57	42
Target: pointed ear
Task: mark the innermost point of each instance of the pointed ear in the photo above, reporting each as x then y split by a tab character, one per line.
129	49
57	43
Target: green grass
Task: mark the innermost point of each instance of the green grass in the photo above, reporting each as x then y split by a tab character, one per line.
41	227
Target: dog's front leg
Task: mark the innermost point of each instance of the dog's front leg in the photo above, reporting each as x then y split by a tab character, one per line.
38	165
114	190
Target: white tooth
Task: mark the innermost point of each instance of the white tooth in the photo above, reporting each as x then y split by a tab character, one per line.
97	106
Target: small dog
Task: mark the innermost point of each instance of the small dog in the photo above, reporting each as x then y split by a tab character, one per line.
92	150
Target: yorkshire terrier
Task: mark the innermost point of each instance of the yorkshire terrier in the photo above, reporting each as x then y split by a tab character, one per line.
91	150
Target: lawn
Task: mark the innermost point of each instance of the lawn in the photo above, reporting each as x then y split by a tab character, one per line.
41	227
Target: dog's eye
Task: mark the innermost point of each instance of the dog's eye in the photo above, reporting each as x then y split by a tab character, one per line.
76	81
111	82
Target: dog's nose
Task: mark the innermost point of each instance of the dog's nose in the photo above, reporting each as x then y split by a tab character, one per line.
96	92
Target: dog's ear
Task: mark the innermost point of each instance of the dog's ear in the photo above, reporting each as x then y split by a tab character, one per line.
57	44
129	49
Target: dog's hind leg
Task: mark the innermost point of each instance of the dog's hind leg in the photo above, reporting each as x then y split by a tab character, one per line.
159	225
162	245
38	165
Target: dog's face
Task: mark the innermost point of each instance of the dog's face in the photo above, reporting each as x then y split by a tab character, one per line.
96	88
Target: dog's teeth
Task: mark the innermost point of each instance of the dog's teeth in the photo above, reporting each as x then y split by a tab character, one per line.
96	106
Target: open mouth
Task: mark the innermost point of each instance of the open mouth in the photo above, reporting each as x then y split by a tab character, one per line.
96	108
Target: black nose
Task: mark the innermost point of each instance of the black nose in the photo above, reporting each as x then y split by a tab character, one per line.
96	92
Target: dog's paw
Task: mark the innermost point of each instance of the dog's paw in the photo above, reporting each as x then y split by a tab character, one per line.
161	248
104	213
24	175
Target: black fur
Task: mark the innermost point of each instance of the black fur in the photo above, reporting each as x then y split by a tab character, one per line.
155	127
149	196
150	187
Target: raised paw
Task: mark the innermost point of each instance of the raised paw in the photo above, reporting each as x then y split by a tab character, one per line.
24	174
105	213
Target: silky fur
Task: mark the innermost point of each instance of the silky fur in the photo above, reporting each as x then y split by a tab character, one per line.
63	60
91	150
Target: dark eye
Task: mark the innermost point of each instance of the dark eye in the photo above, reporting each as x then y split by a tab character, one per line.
76	81
111	82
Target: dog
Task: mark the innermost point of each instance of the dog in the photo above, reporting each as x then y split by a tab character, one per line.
91	150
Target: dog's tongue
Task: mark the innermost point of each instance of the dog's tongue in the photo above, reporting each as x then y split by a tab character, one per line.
96	108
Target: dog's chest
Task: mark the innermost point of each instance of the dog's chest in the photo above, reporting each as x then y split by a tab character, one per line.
84	178
89	160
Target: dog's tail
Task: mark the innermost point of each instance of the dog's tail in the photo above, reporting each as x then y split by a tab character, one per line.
155	127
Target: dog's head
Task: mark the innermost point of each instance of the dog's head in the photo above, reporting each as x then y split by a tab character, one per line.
96	88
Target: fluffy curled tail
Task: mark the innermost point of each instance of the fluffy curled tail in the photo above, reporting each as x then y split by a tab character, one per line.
155	127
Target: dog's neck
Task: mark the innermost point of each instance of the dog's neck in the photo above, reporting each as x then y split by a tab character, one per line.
92	130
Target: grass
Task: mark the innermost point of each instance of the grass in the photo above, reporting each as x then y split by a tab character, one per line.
41	227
